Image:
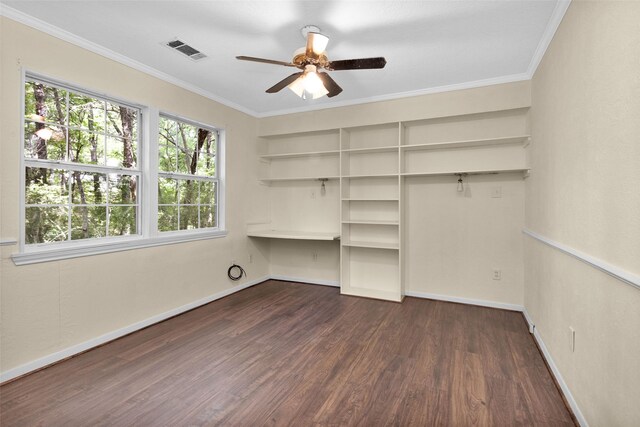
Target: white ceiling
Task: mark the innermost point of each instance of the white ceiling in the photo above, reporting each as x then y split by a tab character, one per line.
429	45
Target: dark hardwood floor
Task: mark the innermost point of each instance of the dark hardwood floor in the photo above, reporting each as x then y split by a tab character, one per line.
291	354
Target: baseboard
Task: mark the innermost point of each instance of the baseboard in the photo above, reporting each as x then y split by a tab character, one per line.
527	318
556	372
479	302
94	342
334	283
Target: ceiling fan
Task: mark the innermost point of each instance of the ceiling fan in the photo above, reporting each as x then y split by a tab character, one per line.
310	83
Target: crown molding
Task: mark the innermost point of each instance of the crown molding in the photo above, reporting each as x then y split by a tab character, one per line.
52	30
547	36
410	94
552	26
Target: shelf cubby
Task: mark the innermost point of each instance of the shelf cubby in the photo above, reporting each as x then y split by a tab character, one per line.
468	127
370	210
381	234
370	163
370	271
370	187
506	154
370	137
302	144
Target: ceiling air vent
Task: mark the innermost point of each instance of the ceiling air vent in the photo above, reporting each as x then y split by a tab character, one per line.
185	49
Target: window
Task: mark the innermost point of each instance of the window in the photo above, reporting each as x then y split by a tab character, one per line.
86	189
187	175
81	165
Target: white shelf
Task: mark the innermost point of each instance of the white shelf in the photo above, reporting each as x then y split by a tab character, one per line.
293	155
299	178
522	139
294	235
370	200
390	148
373	245
370	222
468	172
382	175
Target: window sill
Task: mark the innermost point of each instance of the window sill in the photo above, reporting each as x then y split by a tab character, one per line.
39	255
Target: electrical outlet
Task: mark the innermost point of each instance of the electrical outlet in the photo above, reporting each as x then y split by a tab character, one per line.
315	257
572	339
496	192
497	274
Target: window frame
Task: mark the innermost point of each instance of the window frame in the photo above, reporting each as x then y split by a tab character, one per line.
147	198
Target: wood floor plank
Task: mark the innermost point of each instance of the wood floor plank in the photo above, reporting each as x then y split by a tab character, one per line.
288	354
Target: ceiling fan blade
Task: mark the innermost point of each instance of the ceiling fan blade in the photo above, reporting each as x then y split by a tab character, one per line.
357	64
266	61
284	83
330	85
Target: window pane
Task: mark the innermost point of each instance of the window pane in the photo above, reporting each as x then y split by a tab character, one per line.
207	192
166	155
207	217
44	225
88	222
46	186
187	143
167	218
88	188
44	103
122	220
121	121
188	217
122	189
46	142
206	165
86	147
188	192
167	145
209	146
167	191
121	152
86	112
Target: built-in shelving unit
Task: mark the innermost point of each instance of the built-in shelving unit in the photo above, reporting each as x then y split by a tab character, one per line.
365	170
370	212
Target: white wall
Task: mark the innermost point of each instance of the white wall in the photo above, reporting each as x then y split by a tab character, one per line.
583	192
52	306
454	240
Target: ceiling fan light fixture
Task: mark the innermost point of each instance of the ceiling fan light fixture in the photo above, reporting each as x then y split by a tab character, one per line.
319	43
309	85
